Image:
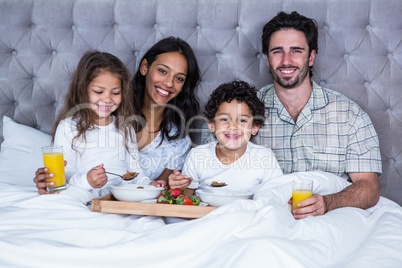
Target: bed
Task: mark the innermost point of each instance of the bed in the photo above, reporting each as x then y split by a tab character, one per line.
41	41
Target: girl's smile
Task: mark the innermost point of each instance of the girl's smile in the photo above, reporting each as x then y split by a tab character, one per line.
104	96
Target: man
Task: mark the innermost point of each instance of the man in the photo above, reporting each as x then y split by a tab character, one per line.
313	128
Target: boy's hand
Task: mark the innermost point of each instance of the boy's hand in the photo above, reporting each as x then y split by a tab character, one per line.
97	177
176	180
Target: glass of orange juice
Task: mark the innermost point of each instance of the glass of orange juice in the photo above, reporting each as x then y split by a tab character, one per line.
54	162
301	190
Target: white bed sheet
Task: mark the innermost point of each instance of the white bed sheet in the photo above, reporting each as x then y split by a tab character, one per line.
60	231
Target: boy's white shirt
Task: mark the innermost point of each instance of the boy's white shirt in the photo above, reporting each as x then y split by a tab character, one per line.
104	145
256	165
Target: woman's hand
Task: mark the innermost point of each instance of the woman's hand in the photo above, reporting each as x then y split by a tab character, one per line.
159	183
176	180
40	180
97	177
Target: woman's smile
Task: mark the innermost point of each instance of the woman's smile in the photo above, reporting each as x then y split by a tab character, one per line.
162	92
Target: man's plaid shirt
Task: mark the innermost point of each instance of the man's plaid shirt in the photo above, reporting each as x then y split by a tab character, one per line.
332	134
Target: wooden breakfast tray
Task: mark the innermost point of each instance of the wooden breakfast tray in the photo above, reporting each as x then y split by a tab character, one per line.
109	204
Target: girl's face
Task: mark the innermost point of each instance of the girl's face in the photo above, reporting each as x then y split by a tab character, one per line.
165	78
233	125
104	96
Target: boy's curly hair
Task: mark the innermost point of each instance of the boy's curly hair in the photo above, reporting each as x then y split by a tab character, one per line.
242	92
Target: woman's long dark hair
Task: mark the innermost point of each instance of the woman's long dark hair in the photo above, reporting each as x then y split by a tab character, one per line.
185	106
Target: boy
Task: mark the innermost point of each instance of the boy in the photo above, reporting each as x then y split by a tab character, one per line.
235	114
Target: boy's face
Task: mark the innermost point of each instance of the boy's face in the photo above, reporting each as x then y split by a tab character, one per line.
233	125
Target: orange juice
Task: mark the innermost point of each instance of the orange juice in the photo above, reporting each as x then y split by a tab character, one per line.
54	162
299	195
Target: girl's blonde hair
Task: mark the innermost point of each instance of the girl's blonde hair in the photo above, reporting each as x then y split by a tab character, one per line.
92	64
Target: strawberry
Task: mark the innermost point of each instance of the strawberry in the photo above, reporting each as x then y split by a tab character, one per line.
196	200
161	199
184	200
165	198
176	196
176	192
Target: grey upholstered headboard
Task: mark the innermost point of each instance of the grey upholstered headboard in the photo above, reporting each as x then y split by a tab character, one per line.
360	52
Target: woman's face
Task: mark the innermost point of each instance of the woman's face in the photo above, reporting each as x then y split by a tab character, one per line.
165	78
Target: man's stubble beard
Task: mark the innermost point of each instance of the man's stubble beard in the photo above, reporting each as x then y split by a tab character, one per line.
291	82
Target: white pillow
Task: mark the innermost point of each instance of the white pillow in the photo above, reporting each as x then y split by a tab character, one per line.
21	152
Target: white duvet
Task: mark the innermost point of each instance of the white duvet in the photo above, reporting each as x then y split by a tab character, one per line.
60	231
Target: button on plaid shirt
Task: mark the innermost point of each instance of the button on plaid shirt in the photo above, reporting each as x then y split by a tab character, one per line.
332	134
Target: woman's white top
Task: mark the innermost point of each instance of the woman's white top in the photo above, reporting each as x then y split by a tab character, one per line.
156	157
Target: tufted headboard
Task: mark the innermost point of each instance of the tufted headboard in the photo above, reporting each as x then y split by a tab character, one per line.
360	52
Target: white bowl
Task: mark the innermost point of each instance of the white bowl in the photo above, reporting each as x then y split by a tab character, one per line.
135	192
218	198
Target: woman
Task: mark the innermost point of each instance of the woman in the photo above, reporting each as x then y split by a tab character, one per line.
165	103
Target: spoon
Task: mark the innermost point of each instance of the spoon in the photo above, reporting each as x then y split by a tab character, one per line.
127	177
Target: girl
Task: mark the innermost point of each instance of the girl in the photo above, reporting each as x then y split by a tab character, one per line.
96	125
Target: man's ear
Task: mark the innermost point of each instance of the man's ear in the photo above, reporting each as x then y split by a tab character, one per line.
312	57
211	126
254	129
144	67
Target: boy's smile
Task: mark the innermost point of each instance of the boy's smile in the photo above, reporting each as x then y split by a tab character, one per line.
233	127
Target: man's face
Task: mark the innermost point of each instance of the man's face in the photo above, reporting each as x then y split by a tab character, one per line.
288	58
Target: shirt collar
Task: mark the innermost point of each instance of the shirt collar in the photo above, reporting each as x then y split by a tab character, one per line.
318	98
